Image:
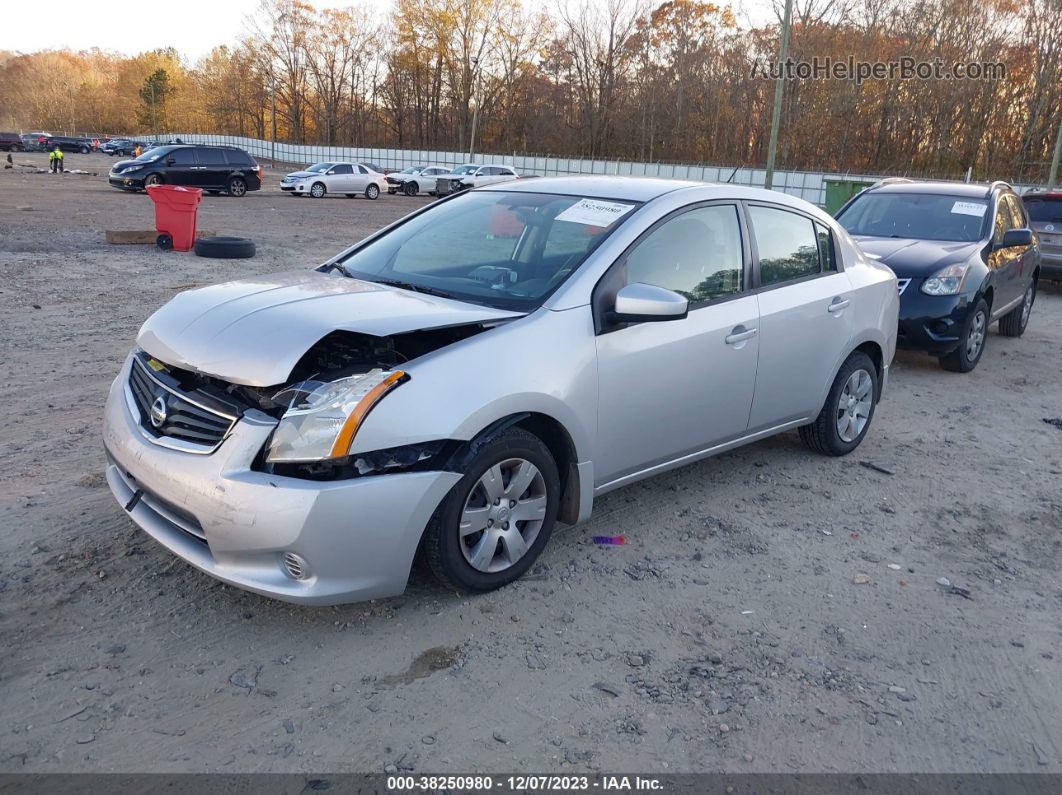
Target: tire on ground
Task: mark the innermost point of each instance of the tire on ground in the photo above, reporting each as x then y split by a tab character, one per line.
822	435
225	247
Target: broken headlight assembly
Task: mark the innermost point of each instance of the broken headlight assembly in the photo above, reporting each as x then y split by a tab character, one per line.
322	417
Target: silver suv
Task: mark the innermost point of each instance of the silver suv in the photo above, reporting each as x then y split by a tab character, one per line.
486	366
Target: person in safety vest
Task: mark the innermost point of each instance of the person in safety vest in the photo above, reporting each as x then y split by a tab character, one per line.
55	157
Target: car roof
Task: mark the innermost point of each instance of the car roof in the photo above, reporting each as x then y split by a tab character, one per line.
640	189
971	190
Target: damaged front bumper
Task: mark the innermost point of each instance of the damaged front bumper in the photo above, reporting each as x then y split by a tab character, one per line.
355	539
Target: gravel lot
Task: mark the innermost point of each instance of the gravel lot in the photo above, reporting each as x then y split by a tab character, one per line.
772	610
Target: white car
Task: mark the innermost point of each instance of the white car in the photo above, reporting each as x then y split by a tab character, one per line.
415	179
348	179
473	176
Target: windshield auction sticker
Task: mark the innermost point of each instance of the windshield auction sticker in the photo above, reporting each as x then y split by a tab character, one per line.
969	208
592	212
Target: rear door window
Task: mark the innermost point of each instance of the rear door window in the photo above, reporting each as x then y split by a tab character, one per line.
788	245
211	157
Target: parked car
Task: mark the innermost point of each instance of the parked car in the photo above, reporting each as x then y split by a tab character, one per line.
482	368
964	256
1044	209
472	176
216	169
415	179
68	143
34	141
120	147
348	179
10	142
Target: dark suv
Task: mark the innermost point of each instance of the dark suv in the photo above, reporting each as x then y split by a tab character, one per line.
10	142
964	256
68	144
216	169
1045	216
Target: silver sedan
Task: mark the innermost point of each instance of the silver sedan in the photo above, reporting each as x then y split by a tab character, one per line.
460	381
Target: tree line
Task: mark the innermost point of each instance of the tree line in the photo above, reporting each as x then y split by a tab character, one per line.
681	80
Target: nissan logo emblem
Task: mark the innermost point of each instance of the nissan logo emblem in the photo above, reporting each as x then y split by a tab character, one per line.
158	412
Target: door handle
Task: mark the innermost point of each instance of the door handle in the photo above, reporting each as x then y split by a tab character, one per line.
837	304
736	336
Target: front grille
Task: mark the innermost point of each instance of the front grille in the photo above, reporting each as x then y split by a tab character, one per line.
901	285
183	419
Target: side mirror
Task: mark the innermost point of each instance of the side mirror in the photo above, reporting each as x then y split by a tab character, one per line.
331	171
1016	237
646	303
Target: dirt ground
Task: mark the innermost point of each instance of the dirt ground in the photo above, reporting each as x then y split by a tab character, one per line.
733	631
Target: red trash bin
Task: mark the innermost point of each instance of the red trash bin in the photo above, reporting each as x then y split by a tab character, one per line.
176	208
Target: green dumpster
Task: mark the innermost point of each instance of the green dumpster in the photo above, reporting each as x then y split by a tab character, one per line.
838	191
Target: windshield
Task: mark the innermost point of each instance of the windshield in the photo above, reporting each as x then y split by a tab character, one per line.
152	155
1045	210
319	168
464	169
916	216
508	250
412	170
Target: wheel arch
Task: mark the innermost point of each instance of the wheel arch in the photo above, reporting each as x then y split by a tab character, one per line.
561	446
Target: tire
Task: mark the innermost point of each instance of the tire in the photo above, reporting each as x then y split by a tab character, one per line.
225	247
1014	323
152	179
164	242
974	335
450	554
856	380
84	150
318	190
411	188
373	191
237	187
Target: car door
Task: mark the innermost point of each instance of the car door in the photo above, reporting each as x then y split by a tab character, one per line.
671	389
805	323
1016	273
340	179
213	169
1003	261
181	167
359	179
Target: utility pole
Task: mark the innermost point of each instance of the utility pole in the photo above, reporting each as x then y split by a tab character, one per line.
776	113
475	110
1052	177
273	115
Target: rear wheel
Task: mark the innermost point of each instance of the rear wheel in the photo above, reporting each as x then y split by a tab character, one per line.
1013	323
845	418
237	187
496	520
965	358
84	150
318	190
373	191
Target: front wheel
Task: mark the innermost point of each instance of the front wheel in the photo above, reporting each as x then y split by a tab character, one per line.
965	357
497	519
1013	323
317	190
237	187
844	420
373	191
410	188
84	150
152	179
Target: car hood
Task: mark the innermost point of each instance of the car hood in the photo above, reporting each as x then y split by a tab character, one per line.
915	258
254	331
302	174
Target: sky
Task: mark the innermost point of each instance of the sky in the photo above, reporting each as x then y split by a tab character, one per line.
194	27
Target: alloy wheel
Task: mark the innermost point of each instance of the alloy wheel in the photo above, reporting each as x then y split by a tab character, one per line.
854	404
317	190
502	515
1026	306
975	337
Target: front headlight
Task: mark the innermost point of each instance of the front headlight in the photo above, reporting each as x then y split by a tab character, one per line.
322	418
946	281
130	169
